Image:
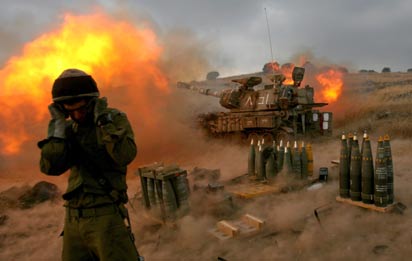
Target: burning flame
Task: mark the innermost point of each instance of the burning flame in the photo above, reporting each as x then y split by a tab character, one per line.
287	72
115	53
331	82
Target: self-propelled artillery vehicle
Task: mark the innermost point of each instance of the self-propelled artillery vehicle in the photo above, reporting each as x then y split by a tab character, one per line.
274	111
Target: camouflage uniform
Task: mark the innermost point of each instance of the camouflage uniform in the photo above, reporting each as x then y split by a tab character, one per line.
97	155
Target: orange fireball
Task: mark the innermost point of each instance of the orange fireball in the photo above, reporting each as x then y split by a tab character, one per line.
331	84
116	53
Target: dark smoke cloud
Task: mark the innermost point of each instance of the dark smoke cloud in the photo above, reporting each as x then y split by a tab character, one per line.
368	34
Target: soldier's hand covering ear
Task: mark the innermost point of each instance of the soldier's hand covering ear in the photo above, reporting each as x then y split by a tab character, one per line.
57	125
101	116
104	119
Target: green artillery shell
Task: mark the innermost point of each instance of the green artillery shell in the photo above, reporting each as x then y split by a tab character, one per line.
381	177
275	157
296	164
350	142
355	171
257	158
365	135
367	172
344	178
281	156
288	159
251	160
304	162
270	165
389	166
260	164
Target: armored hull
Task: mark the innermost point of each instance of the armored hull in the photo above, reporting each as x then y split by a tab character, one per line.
273	111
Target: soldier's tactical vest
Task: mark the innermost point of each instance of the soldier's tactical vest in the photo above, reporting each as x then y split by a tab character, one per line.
92	167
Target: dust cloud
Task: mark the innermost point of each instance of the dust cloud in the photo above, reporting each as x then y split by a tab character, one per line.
291	230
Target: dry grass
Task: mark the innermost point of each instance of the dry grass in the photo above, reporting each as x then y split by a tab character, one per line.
378	102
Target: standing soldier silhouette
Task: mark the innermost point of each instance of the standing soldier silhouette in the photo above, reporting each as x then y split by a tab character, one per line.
96	143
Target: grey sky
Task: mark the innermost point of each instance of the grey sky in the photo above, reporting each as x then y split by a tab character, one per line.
367	34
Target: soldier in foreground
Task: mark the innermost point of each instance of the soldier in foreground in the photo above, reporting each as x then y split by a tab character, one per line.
96	143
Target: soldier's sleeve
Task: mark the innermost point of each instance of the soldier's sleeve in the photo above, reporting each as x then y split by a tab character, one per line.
55	156
118	139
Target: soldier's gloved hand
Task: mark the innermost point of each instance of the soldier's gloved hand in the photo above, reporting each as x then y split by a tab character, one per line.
104	120
101	117
57	125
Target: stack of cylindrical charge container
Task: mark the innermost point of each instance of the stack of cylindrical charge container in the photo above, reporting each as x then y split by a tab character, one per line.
266	161
358	179
165	190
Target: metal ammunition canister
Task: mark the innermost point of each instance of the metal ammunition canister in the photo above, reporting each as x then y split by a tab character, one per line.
251	160
304	161
169	198
389	167
158	191
182	193
309	152
381	176
344	179
143	183
367	172
355	171
151	191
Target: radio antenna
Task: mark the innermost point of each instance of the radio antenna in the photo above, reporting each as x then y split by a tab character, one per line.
270	39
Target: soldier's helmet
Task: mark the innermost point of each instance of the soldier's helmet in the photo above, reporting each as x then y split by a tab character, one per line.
73	84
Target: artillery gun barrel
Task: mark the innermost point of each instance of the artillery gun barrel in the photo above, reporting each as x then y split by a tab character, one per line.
204	91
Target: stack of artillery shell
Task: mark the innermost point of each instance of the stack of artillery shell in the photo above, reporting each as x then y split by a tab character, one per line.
300	162
165	190
355	171
267	161
374	184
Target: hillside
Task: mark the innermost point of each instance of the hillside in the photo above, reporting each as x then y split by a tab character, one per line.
376	102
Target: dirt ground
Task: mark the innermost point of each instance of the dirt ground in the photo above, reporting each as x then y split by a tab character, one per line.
291	230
